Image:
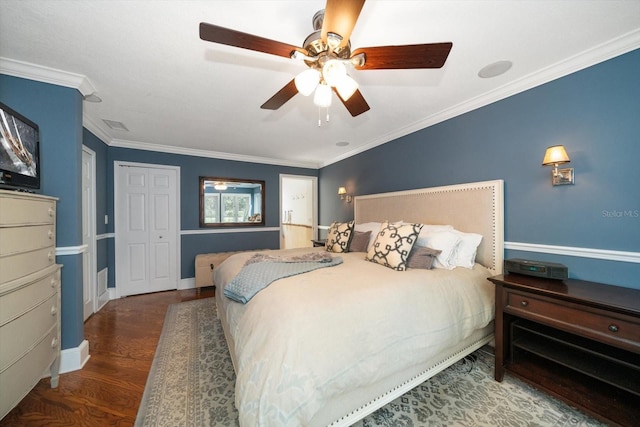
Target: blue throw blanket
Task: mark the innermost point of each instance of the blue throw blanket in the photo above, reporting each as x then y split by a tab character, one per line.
254	277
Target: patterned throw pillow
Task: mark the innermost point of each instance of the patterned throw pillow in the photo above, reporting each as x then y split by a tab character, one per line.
339	236
393	245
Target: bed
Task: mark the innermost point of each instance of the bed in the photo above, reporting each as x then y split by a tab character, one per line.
332	345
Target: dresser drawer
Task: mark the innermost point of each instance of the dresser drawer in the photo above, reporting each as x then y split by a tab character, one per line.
18	379
605	326
22	334
21	210
15	240
22	295
19	265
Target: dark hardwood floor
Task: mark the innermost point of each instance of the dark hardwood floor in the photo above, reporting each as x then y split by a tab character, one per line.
122	341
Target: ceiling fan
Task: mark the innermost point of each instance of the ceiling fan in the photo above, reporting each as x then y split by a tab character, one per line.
326	51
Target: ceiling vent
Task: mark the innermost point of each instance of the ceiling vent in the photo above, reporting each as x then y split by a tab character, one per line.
116	125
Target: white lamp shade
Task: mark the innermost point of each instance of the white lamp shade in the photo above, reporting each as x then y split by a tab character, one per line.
333	72
342	191
307	81
322	97
555	155
346	87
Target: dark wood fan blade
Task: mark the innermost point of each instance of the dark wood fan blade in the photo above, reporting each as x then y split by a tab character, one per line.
355	104
432	55
216	34
281	97
340	17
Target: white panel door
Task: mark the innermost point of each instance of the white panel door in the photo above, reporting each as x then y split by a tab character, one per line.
88	232
146	230
162	228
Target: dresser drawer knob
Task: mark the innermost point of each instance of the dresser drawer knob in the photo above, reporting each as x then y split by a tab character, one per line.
50	256
53	283
50	234
524	303
613	328
54	343
54	310
51	211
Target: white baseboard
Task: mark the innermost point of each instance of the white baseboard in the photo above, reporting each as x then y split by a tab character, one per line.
188	283
73	359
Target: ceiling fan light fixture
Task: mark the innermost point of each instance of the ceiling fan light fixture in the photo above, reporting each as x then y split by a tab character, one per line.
307	81
322	97
334	72
333	40
346	87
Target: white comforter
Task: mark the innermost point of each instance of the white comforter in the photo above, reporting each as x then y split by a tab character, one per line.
309	338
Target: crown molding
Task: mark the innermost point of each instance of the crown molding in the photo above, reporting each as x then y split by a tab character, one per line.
590	57
46	75
103	135
95	129
209	154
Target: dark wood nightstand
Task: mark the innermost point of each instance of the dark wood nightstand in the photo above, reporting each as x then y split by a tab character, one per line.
578	341
319	242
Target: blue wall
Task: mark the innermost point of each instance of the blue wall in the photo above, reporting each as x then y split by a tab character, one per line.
595	113
58	112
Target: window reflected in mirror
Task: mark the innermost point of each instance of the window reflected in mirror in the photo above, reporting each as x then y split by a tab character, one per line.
226	202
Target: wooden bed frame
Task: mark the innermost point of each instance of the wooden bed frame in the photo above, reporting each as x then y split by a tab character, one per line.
475	207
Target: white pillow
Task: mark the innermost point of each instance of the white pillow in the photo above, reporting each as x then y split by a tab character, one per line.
446	241
427	228
465	254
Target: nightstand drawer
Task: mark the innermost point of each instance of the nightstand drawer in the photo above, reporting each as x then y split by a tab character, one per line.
618	330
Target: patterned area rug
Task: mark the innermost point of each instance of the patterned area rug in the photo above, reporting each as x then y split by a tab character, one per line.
191	383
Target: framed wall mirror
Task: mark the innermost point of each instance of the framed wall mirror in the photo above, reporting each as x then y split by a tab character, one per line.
231	202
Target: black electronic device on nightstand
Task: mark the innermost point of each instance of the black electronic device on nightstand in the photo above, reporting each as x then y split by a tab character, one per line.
548	270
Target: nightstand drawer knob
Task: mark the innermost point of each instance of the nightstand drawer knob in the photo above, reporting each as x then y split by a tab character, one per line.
524	303
613	328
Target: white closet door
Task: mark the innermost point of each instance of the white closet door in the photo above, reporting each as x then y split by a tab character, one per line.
146	230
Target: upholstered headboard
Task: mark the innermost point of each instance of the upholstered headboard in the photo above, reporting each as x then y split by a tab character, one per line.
476	207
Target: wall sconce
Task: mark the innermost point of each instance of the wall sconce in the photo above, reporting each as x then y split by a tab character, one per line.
342	192
554	156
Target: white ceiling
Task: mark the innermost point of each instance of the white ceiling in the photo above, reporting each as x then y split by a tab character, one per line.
179	94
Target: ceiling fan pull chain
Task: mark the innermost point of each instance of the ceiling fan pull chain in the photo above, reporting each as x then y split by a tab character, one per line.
327	114
319	117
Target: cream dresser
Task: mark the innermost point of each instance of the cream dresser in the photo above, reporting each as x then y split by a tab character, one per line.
29	295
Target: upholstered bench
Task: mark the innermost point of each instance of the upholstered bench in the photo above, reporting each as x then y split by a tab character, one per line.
205	263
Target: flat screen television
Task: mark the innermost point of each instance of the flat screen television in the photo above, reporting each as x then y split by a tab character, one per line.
19	151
